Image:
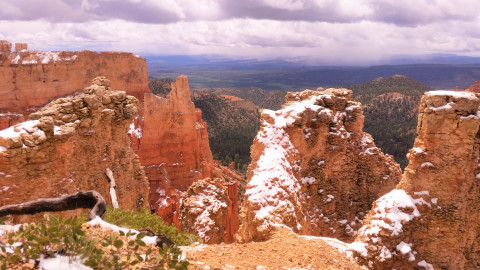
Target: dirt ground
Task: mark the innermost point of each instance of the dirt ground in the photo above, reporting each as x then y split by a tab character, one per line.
285	250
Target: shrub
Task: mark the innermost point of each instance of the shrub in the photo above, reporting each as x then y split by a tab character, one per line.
144	220
58	236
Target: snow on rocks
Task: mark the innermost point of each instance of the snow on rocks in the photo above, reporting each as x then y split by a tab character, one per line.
288	168
203	210
98	221
26	134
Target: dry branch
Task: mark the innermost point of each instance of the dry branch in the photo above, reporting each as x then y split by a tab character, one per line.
82	199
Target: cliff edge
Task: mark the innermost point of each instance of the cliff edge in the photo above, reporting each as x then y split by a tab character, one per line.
431	220
70	145
313	169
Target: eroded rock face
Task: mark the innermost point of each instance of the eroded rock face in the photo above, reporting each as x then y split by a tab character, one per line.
30	79
313	169
69	145
474	88
9	119
172	142
432	219
203	210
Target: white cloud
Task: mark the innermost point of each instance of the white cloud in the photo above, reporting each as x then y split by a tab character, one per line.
347	32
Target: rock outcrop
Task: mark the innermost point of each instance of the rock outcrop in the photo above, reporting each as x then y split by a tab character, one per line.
30	79
432	219
9	119
69	145
474	88
313	169
204	210
172	142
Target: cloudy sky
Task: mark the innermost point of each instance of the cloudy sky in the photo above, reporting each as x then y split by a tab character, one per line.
328	31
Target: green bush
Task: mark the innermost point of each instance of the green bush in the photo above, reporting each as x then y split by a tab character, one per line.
144	220
58	236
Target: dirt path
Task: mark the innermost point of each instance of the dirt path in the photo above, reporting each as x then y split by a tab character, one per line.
284	251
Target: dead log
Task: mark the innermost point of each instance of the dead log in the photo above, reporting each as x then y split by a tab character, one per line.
82	199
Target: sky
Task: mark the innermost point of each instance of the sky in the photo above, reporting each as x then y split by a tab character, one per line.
323	31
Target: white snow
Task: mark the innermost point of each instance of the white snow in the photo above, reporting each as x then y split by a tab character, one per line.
329	198
46	57
365	140
9	228
421	193
392	211
451	93
273	186
2	148
447	106
204	205
137	131
417	150
309	180
29	62
62	262
26	128
404	248
427	266
434	200
150	240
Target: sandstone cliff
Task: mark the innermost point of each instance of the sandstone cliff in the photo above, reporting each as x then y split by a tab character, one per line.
172	142
30	79
69	145
313	169
431	220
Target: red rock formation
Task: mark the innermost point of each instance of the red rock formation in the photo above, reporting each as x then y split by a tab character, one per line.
68	146
313	168
474	88
432	219
30	79
10	119
206	208
172	142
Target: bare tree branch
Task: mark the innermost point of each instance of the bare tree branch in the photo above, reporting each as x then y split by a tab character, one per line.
82	199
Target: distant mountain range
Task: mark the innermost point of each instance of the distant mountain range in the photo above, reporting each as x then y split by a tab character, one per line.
438	71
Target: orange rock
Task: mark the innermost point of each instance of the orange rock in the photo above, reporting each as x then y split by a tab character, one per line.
431	220
475	88
10	119
172	142
30	79
69	145
313	169
205	210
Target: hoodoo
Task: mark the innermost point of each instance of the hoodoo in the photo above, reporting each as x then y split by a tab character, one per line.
313	169
172	142
432	219
71	144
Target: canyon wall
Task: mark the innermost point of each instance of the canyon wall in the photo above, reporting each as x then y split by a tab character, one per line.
69	145
313	169
30	79
432	219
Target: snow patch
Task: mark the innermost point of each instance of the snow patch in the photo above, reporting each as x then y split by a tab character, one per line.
451	93
63	262
426	265
149	240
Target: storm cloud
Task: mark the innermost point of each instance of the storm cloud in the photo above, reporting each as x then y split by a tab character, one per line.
330	30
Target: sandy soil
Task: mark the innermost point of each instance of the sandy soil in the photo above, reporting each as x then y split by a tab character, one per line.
285	250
